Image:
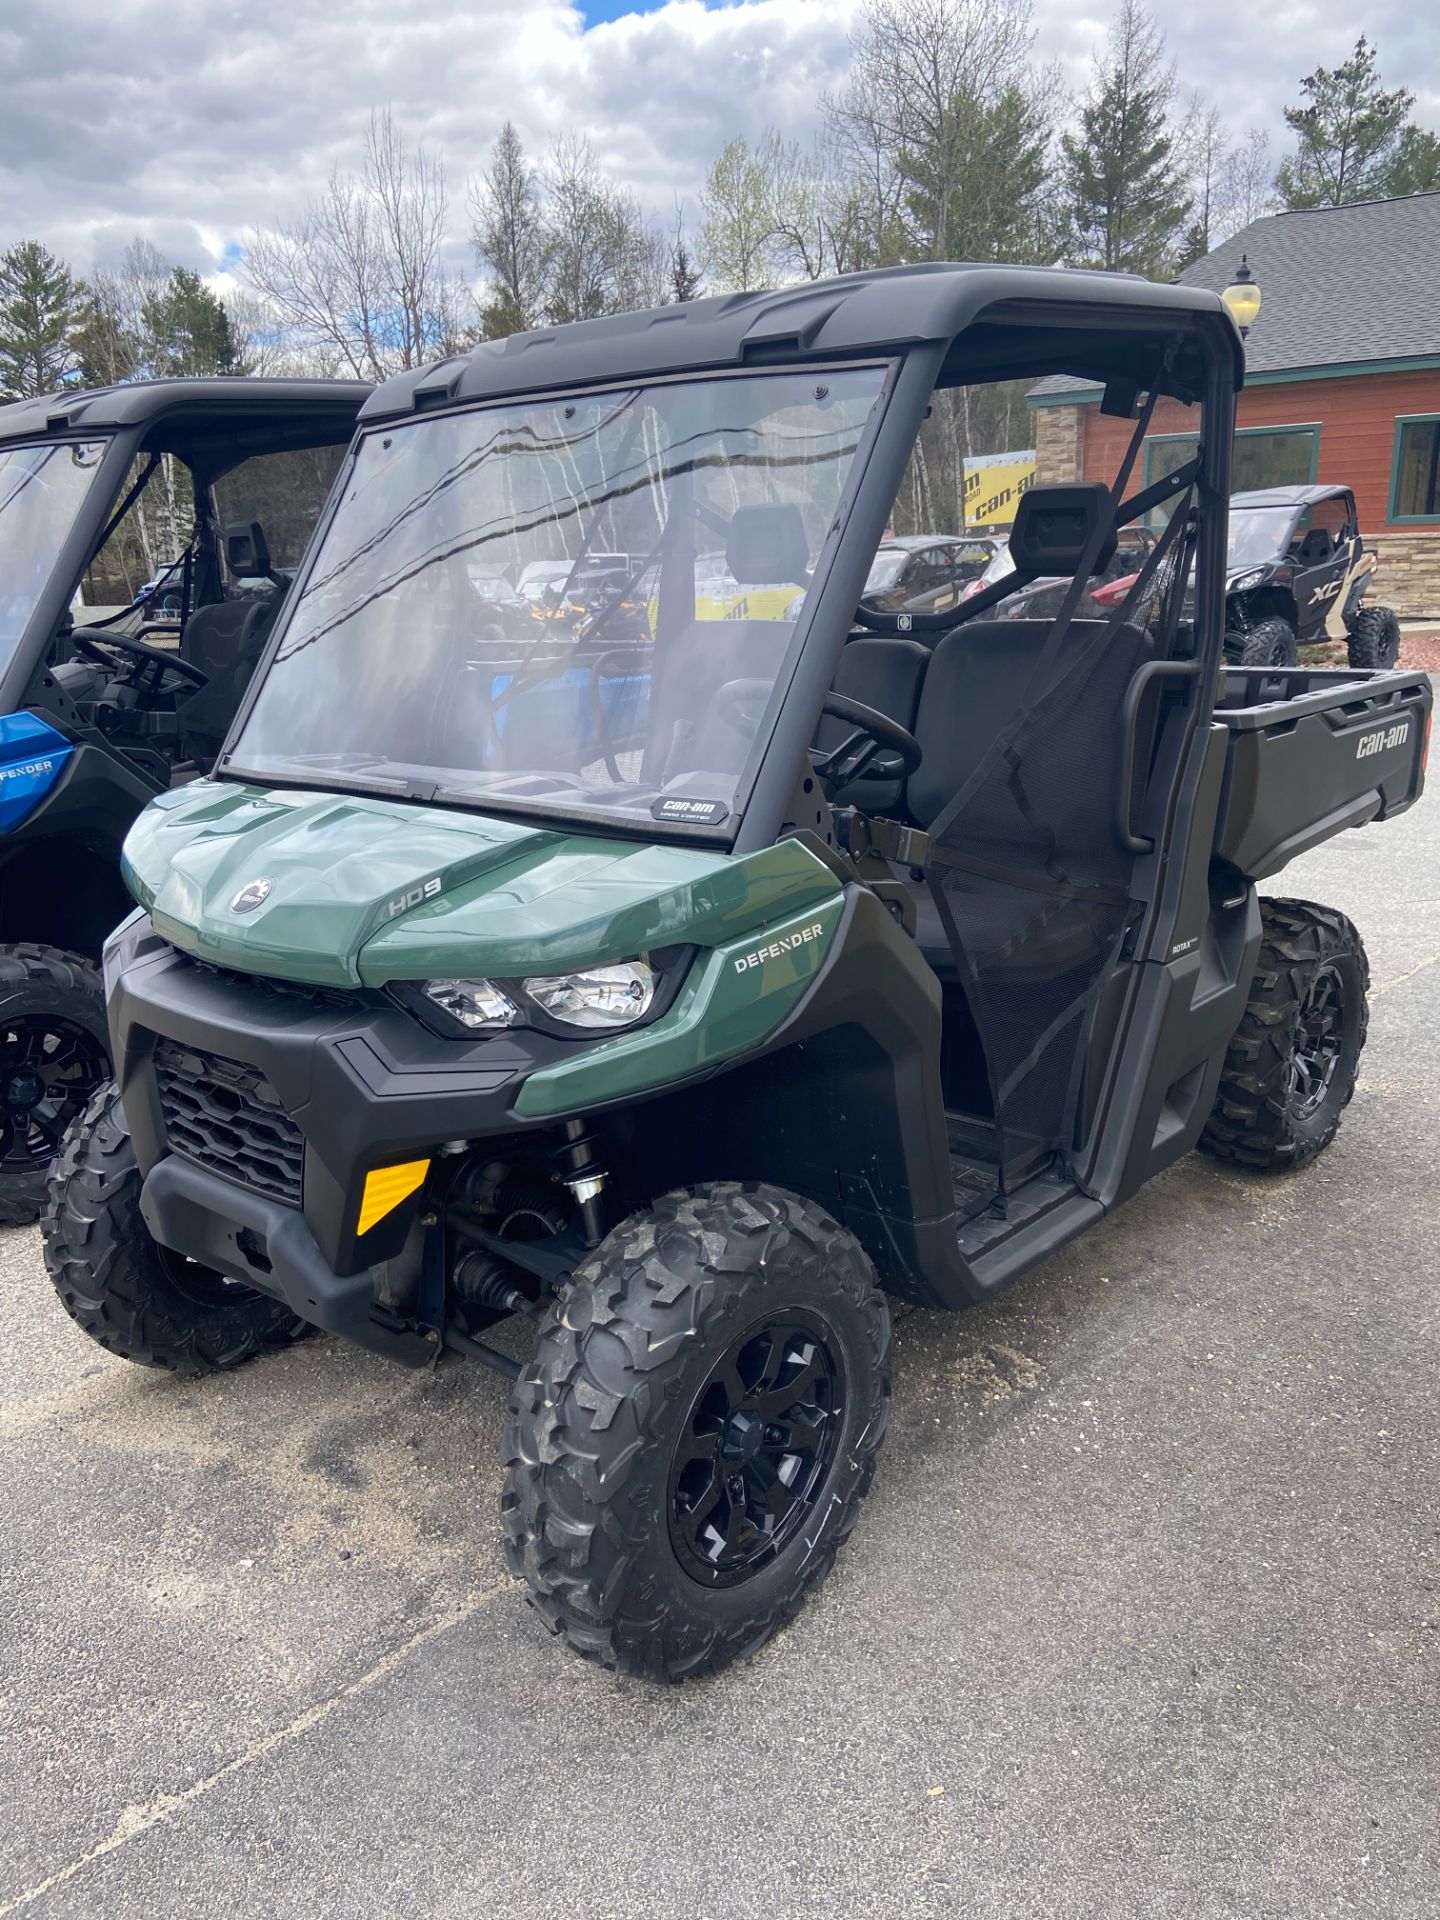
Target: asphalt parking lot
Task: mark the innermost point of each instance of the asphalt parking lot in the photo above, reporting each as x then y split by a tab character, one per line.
1142	1617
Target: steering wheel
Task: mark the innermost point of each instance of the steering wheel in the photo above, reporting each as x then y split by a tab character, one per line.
858	756
738	704
92	647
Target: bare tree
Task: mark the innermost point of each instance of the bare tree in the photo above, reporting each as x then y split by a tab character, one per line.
1248	183
359	274
1202	148
605	255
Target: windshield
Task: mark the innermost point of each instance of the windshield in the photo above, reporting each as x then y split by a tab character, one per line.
884	571
626	690
41	489
1257	534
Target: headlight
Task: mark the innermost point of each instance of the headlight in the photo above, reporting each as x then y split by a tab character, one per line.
1242	582
599	997
474	1003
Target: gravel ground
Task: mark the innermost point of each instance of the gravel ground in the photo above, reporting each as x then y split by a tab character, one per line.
1420	647
1143	1615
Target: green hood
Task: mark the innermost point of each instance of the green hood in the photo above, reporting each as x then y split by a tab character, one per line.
362	891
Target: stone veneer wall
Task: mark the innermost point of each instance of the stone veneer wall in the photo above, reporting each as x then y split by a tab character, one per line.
1059	444
1408	577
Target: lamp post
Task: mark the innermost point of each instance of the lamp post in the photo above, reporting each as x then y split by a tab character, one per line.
1242	298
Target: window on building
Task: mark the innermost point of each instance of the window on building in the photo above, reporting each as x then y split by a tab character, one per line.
1415	483
1262	457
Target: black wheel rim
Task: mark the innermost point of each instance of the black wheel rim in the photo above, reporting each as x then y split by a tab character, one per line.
1280	654
1319	1039
756	1449
49	1067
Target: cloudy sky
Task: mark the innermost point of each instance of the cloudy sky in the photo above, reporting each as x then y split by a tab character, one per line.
191	121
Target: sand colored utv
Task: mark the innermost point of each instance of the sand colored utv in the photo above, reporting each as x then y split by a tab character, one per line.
689	979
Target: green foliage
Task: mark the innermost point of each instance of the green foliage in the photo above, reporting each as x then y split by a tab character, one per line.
1415	167
1355	141
41	308
1126	197
187	330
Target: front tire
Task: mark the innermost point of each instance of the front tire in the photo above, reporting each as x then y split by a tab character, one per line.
1290	1071
692	1441
133	1296
1374	639
54	1053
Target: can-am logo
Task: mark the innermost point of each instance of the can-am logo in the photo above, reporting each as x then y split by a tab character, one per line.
786	944
1382	738
254	894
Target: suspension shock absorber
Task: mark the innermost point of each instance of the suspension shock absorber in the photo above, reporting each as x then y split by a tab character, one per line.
584	1174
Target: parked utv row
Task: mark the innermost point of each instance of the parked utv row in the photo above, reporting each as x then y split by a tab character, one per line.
691	986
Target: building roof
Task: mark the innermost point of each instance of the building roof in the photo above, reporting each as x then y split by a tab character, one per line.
1339	285
1343	290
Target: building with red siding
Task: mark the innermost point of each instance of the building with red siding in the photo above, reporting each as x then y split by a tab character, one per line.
1342	381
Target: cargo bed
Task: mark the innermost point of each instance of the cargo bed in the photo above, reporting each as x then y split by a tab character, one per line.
1312	751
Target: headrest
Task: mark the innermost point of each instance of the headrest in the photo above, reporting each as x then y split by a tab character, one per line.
767	547
247	551
1054	526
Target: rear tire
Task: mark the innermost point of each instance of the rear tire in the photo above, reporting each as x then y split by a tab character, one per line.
1290	1071
1269	643
133	1296
1375	639
54	1053
667	1504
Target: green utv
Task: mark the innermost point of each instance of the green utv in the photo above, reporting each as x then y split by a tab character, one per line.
690	984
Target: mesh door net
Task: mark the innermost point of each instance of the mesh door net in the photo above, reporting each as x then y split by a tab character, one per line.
1029	874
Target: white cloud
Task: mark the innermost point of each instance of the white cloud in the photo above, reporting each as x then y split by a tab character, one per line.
190	123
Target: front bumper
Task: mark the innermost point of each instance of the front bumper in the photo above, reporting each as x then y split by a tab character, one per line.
364	1084
269	1246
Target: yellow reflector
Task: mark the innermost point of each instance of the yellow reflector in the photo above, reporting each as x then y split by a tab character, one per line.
386	1188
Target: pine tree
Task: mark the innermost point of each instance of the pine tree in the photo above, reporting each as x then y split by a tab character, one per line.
1355	141
41	308
684	275
187	329
509	237
1126	197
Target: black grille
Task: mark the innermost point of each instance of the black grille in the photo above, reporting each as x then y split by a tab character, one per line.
228	1117
342	999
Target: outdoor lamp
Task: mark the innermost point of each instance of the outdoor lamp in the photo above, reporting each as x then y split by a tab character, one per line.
1242	298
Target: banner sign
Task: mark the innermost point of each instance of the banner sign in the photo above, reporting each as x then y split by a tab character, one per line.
994	483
